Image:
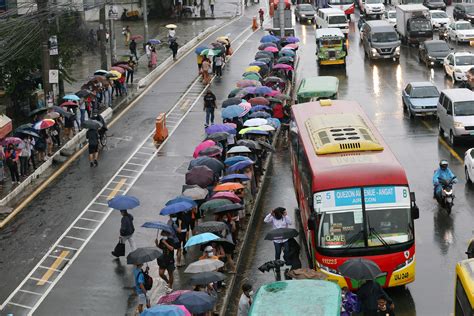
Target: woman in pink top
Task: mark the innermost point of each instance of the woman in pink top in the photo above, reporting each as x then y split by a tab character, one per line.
154	58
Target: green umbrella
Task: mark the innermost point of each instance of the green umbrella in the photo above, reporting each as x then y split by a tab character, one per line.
252	76
205	52
213	204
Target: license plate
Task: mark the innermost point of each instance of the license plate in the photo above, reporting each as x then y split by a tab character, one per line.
332	58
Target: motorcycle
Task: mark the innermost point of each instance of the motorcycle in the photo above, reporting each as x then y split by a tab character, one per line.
446	197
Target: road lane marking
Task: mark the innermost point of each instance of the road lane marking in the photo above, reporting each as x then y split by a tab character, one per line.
75	238
53	267
20	305
82	228
94	211
37	279
49	268
90	219
451	150
118	186
31	292
65	247
53	256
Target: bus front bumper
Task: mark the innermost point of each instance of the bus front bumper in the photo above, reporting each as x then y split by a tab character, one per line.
332	62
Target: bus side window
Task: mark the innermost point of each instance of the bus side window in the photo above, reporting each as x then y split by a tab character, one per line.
463	307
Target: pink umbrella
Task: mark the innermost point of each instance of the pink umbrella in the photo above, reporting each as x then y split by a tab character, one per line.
273	93
170	298
205	144
12	140
117	68
183	308
248	83
283	67
246	106
231	196
291	46
271	49
136	37
233	125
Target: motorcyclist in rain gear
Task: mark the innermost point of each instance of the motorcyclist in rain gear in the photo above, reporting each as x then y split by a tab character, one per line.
444	173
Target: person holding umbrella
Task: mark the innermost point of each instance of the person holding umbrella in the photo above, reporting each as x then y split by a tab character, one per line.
209	106
123	203
11	159
166	261
279	219
176	221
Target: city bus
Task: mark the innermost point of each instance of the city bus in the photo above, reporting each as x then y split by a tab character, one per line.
353	194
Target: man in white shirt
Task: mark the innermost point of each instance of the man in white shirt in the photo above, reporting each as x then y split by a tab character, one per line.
245	300
279	219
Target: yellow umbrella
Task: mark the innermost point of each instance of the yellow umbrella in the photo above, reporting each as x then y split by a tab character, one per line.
248	129
223	39
115	74
252	69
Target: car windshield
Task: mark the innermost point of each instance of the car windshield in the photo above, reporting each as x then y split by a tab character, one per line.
464	108
392	15
373	1
469	9
306	7
340	2
437	47
345	229
384	37
337	19
424	92
420	25
463	26
439	15
464	60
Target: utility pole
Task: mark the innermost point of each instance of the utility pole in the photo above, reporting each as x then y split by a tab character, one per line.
43	14
113	45
281	11
102	48
145	21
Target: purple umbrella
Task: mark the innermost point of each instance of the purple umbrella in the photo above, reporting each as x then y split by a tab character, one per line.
250	90
212	163
240	165
260	108
283	66
220	128
257	63
292	39
200	175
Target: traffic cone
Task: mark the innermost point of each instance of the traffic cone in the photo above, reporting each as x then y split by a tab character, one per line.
254	23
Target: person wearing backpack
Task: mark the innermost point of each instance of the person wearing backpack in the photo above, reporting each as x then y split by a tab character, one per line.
127	229
140	288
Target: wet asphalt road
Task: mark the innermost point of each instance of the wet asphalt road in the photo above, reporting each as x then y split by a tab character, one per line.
441	240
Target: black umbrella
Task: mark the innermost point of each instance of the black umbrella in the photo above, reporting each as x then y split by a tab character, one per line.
218	137
265	59
210	227
91	124
211	151
266	145
231	101
62	111
228	246
360	269
196	302
37	111
281	233
264	54
24	126
252	144
273	79
212	163
144	254
204	278
27	132
228	208
200	175
83	93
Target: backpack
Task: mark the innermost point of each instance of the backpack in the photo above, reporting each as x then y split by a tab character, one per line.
148	284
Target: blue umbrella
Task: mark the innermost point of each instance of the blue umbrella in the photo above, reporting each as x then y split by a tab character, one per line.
159	225
233	160
216	128
154	41
196	302
273	122
269	39
199	49
201	239
71	97
176	208
260	108
286	52
240	165
123	202
292	39
260	114
234	176
181	199
257	63
163	310
263	90
232	111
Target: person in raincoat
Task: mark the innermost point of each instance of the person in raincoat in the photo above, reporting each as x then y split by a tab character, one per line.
444	173
368	295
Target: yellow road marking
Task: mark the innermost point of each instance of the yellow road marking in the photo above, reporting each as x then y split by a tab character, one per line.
452	151
118	186
53	267
427	125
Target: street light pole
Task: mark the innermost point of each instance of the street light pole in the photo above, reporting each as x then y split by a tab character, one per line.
145	21
103	47
281	8
112	42
45	60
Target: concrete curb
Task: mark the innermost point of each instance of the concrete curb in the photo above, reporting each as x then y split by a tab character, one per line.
231	290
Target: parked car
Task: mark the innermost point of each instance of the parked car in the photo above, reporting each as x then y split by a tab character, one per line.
460	31
469	165
390	17
457	64
435	4
305	12
439	18
433	52
464	11
420	99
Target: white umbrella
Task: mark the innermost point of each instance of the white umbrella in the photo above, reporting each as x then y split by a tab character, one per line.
267	128
255	122
196	193
205	265
171	26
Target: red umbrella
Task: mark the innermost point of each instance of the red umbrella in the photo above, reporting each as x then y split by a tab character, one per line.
46	123
136	37
231	196
69	103
259	101
119	69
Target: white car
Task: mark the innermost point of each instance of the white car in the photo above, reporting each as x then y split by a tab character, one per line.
469	165
372	7
439	18
460	31
391	17
457	64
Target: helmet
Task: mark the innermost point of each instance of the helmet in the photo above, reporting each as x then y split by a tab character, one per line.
443	164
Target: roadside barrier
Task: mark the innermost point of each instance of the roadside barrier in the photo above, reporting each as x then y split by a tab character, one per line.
161	132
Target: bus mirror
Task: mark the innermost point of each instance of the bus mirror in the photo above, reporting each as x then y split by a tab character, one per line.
312	221
415	211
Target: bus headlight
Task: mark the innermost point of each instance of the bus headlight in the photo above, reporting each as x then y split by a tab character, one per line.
458	124
328	269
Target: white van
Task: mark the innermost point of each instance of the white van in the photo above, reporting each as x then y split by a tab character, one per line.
456	113
332	18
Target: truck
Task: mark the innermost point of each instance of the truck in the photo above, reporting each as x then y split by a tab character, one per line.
414	23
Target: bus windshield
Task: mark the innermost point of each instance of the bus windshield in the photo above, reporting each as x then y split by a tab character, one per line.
330	43
384	226
337	19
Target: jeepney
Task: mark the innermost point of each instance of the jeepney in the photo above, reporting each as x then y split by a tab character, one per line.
331	48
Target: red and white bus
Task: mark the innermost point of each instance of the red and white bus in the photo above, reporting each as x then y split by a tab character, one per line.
344	5
352	193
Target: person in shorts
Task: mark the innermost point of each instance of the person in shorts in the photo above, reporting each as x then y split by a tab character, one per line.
92	136
140	287
181	228
166	261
